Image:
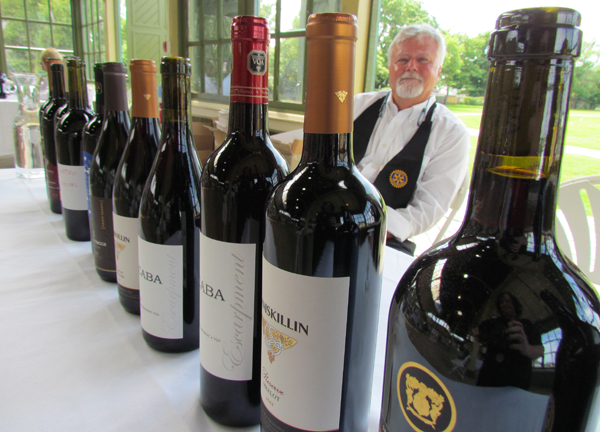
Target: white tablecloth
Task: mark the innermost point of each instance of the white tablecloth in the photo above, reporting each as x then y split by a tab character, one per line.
71	359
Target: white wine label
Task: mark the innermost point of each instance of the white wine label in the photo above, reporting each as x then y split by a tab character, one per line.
126	251
303	345
161	289
227	286
72	187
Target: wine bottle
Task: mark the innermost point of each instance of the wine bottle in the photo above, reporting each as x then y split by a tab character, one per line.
45	105
494	329
103	170
132	173
57	100
323	258
236	181
71	172
169	223
91	131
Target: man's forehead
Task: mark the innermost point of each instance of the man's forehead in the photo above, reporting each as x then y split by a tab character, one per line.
414	45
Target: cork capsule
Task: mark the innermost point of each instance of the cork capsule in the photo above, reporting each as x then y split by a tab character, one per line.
144	101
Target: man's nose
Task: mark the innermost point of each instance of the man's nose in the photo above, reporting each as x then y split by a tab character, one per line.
412	64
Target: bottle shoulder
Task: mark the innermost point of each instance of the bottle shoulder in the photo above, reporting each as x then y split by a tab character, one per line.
73	120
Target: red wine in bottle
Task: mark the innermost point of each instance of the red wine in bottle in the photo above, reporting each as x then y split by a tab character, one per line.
91	131
169	223
132	173
494	329
323	258
103	171
236	181
57	100
71	172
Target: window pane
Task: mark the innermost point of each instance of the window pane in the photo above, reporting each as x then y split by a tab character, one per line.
61	11
293	15
230	10
291	70
210	69
13	8
39	35
63	38
321	6
271	66
226	65
17	60
193	21
38	10
100	38
195	60
15	33
209	19
267	11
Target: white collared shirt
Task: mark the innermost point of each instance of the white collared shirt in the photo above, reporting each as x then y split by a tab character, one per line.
444	162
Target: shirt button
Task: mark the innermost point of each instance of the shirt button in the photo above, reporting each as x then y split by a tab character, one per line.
384	145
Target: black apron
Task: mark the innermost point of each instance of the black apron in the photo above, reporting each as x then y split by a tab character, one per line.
397	180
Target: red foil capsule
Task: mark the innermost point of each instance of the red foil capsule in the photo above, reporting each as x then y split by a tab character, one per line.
250	46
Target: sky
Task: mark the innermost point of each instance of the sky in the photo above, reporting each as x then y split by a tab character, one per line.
473	17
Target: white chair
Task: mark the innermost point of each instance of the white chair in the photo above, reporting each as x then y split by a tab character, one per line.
457	203
576	232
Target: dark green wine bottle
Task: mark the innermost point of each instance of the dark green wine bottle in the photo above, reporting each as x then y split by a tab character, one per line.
169	223
132	173
69	147
58	99
236	181
323	258
494	329
103	171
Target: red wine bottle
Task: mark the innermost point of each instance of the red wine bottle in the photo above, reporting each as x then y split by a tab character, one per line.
169	223
69	137
57	100
494	329
103	171
132	173
236	181
91	132
323	258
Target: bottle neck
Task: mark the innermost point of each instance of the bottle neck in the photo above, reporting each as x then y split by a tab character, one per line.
176	106
77	92
516	171
248	118
330	150
58	85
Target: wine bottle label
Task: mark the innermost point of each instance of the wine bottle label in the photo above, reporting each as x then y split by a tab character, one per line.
72	186
52	181
87	164
304	322
126	251
103	234
422	399
161	289
227	286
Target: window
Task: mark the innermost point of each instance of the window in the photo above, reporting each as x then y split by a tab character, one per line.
29	27
209	46
91	45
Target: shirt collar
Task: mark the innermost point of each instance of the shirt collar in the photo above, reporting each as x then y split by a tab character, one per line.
414	111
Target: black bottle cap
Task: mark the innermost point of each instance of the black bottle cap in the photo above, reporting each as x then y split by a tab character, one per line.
176	65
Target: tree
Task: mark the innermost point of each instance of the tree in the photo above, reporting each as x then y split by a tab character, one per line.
476	66
395	14
453	64
585	91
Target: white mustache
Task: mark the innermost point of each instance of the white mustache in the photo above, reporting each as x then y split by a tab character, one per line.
410	75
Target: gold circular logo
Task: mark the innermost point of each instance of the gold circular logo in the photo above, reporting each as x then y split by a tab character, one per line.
425	401
398	179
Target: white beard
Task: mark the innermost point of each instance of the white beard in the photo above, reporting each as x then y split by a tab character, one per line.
408	89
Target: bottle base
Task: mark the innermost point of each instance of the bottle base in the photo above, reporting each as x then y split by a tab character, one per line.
171	345
226	402
55	206
77	226
130	300
107	276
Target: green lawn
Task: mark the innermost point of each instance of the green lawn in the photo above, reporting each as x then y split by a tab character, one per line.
583	130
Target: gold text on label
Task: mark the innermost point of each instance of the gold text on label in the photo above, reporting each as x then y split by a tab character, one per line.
341	95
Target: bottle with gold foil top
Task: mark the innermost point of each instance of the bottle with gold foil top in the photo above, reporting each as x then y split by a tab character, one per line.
237	178
169	223
103	170
131	175
323	258
494	329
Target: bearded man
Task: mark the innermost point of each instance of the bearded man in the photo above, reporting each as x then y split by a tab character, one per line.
412	149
